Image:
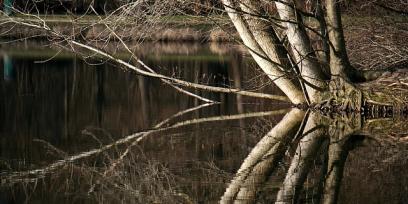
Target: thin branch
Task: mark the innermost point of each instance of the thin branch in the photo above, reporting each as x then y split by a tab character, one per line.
107	56
150	69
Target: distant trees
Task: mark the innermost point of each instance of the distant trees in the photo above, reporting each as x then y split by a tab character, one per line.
197	7
64	6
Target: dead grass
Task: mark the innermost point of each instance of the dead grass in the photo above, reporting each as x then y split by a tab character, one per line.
377	43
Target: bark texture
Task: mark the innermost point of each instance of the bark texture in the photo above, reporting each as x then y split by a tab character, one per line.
304	55
339	62
279	77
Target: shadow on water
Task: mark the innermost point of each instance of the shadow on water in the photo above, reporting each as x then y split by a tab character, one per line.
73	132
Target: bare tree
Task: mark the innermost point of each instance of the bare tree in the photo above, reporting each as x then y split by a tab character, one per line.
279	39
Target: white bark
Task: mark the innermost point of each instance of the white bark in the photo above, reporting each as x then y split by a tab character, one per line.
272	70
302	50
264	34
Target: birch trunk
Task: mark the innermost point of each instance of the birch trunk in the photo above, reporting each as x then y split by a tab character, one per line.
278	76
302	50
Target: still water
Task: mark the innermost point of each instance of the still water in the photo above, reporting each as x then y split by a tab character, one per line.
85	131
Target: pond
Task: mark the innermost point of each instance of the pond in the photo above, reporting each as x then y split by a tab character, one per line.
77	130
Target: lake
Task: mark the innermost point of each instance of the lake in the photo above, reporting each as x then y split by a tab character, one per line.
81	130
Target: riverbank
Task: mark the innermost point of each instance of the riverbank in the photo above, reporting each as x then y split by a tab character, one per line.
175	28
372	42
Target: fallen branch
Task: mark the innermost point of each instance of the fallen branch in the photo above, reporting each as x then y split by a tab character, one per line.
147	67
179	81
108	56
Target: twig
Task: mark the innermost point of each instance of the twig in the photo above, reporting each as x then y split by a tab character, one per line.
25	176
105	55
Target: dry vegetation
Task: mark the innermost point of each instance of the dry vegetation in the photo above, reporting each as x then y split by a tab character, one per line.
377	43
373	43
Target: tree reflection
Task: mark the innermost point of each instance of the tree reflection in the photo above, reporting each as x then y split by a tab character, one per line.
302	139
304	154
262	159
315	136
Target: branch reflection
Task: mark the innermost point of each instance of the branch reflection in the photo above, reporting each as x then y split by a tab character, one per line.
316	138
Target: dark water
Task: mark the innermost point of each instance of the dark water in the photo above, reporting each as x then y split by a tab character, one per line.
60	116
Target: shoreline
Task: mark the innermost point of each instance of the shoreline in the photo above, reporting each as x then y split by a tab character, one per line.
372	42
170	29
177	28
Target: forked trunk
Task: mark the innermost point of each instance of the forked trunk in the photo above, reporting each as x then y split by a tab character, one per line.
271	68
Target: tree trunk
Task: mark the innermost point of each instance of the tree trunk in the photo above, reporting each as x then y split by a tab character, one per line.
278	76
339	62
302	50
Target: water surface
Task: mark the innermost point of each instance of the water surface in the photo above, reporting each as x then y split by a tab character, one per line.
54	107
